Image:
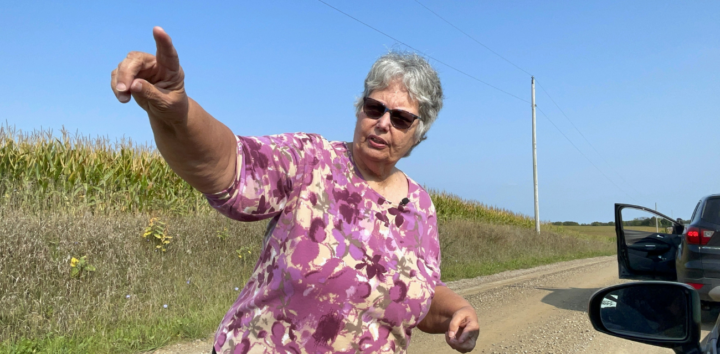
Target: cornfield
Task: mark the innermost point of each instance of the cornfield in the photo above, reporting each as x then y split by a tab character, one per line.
451	207
40	172
76	173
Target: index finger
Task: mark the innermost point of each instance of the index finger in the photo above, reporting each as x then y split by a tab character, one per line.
166	54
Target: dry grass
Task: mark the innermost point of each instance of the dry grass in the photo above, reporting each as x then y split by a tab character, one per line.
470	249
39	300
44	309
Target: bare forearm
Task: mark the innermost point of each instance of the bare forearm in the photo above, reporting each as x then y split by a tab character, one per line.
443	306
201	150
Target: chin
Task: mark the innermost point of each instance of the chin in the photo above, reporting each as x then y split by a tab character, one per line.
375	155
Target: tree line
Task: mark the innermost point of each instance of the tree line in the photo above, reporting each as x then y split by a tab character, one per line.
574	223
634	222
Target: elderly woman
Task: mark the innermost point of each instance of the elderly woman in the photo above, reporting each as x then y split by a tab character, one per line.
351	259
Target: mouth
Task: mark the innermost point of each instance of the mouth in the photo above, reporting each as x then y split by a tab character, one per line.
377	140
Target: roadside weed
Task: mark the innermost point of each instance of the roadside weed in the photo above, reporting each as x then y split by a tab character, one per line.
244	253
222	234
80	267
155	231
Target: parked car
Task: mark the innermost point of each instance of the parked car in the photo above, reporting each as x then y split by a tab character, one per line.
656	247
664	314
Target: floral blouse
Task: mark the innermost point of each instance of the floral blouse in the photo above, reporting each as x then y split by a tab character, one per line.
342	270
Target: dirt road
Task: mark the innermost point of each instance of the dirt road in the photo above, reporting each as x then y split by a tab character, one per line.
538	310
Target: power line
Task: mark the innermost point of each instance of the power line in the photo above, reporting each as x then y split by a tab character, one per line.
473	38
583	155
584	138
421	52
481	81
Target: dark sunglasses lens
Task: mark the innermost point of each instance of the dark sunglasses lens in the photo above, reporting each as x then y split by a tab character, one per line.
373	109
401	120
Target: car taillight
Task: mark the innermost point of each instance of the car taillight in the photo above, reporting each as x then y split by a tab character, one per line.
696	236
693	235
696	286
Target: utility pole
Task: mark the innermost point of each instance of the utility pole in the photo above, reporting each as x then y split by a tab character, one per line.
656	221
534	148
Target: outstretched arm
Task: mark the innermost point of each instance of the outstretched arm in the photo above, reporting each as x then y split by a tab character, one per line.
451	314
198	147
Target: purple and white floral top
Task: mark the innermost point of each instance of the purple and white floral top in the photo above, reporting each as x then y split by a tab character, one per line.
342	270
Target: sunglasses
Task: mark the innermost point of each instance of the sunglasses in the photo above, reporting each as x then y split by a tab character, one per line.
399	119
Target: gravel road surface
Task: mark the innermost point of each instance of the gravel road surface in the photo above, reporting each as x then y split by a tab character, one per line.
538	310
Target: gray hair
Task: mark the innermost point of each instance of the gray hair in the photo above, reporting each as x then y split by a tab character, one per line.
420	79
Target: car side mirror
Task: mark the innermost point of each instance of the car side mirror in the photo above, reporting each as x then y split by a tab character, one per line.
663	314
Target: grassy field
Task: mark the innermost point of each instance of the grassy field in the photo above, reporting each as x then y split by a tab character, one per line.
606	231
471	249
600	231
120	307
62	199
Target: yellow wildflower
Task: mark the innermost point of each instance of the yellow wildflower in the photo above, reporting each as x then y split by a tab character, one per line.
73	262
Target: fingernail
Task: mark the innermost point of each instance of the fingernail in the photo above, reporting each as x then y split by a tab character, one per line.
136	86
451	334
124	98
121	87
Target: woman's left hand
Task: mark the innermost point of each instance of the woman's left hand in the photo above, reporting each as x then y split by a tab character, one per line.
463	330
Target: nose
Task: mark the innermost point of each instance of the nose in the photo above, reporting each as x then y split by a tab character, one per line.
383	123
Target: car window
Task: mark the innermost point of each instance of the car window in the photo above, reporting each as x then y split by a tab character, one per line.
695	211
711	211
637	224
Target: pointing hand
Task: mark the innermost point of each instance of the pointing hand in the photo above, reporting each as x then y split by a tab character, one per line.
157	82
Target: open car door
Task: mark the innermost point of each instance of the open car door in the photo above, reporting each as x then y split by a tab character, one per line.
647	243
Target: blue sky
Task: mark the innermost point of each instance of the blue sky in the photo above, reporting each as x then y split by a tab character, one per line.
639	80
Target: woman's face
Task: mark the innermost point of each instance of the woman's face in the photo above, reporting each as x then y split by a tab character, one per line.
376	140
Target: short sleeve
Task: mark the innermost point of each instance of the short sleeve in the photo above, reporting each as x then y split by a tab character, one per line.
268	171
